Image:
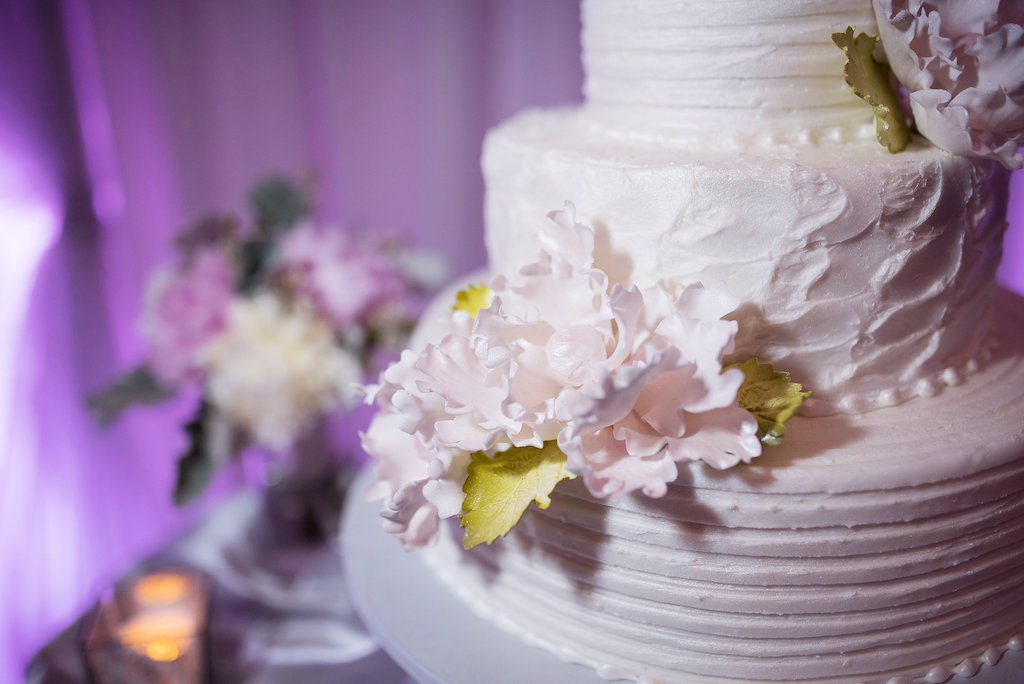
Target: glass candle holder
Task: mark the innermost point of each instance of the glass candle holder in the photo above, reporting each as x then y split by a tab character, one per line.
150	628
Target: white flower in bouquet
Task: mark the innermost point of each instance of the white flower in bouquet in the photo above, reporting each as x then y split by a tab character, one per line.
275	368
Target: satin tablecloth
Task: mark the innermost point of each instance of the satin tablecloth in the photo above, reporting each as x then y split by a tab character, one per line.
279	609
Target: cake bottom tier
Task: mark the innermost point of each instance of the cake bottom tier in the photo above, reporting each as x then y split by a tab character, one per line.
884	547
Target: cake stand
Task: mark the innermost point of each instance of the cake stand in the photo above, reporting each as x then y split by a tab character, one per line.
438	639
435	637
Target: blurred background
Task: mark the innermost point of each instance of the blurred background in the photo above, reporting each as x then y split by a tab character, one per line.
120	120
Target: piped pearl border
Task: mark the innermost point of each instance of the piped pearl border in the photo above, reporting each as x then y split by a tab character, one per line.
966	668
925	387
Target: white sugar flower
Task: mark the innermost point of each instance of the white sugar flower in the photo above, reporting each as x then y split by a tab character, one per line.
963	62
275	368
667	401
627	381
421	485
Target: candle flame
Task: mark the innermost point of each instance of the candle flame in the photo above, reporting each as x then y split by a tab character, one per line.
161	588
163	650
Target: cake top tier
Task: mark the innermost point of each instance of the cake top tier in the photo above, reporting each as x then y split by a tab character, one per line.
764	67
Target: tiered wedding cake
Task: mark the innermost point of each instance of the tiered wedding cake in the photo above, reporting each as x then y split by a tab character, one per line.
720	144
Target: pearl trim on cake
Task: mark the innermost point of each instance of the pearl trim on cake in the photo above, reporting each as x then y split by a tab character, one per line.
926	387
865	275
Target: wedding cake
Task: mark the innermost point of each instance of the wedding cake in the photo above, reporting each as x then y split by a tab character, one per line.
729	200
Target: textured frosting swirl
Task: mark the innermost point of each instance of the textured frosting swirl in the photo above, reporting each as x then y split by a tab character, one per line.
867	275
714	65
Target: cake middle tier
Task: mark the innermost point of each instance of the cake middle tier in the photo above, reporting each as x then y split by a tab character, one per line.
869	276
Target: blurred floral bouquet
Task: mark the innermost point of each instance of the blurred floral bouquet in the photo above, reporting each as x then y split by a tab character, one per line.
275	318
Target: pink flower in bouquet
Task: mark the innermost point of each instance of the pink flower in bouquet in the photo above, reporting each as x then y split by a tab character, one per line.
628	381
963	62
346	281
183	309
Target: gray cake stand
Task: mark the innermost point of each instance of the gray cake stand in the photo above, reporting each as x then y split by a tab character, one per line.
438	639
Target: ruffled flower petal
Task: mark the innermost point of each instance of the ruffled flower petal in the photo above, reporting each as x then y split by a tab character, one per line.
574	243
419	485
609	469
964	65
721	438
402	457
627	380
410	517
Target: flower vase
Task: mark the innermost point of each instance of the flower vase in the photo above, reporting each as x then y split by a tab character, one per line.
304	487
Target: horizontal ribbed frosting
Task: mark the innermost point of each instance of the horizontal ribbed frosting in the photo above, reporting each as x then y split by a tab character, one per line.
723	64
881	542
865	548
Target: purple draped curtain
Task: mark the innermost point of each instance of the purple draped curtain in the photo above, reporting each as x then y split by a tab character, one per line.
120	119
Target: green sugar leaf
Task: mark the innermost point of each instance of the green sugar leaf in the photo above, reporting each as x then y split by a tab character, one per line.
500	488
770	396
871	82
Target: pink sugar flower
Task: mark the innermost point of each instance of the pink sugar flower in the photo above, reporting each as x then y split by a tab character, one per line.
963	63
627	381
668	401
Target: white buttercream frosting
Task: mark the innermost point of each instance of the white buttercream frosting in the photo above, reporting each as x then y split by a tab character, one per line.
719	143
878	548
866	275
723	65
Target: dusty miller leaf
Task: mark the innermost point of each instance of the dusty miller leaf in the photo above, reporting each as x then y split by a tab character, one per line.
871	82
770	396
255	256
278	204
137	386
499	489
195	466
